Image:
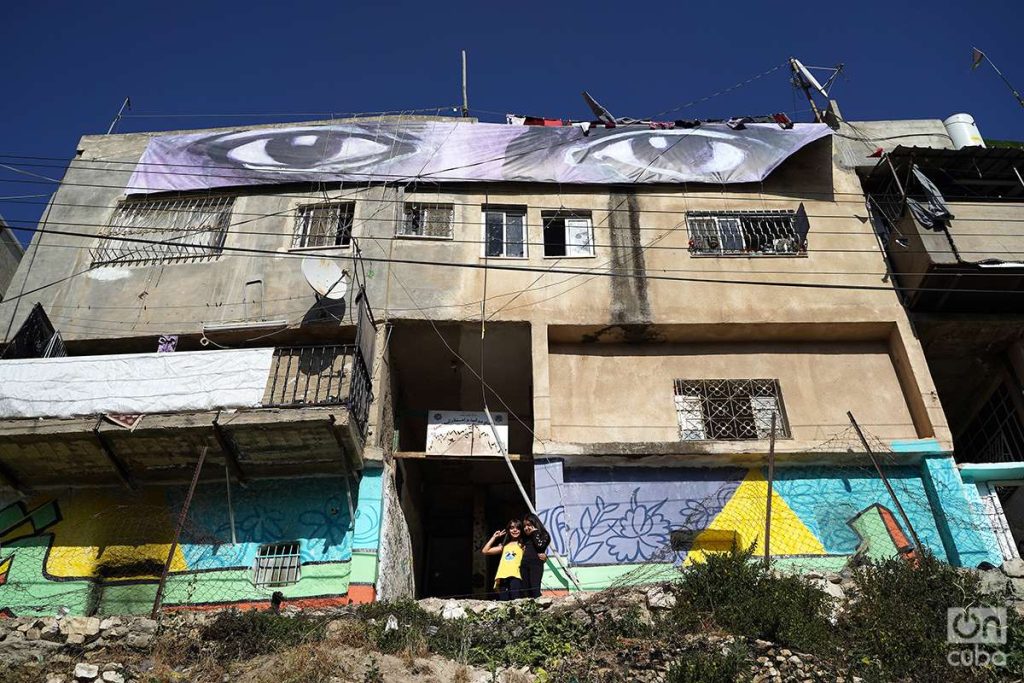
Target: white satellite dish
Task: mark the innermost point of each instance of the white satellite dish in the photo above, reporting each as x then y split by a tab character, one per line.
325	277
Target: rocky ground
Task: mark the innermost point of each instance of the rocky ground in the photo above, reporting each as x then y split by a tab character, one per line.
63	649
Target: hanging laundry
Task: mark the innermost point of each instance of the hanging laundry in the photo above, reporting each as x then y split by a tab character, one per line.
933	213
662	125
514	120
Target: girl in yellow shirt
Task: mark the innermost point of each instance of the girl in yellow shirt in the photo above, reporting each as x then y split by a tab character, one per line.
508	543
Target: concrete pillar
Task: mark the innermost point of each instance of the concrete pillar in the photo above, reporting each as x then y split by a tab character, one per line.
541	385
965	531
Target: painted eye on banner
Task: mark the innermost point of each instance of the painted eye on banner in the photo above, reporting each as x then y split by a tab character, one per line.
336	148
669	153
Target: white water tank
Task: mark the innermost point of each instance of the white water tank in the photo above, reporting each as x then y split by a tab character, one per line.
963	131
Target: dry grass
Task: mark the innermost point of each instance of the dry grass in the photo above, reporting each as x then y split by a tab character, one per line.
461	674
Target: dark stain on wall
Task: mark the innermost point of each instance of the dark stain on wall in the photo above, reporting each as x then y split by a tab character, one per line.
630	303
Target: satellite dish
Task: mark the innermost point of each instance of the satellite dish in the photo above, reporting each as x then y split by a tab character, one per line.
811	80
325	277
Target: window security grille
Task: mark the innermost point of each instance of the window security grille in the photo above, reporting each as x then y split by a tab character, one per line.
505	232
197	225
276	564
323	225
427	220
766	233
729	409
996	434
568	234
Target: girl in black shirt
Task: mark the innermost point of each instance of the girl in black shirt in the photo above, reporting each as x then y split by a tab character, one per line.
534	555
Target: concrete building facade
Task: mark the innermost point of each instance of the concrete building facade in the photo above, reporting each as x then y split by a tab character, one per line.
636	340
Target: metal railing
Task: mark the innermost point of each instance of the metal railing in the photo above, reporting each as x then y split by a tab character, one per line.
747	233
321	376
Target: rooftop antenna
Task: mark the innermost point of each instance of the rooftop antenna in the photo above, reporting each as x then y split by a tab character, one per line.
465	95
977	57
805	80
120	112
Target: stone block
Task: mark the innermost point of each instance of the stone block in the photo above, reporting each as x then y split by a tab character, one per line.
110	622
1014	568
86	672
113	677
145	625
75	639
86	626
139	641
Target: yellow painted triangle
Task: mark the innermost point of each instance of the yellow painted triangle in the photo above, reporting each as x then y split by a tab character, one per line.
742	521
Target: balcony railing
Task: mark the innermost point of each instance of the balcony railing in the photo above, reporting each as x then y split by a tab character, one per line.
319	376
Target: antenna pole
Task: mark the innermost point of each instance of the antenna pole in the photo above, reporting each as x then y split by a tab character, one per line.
806	87
465	96
127	104
1020	100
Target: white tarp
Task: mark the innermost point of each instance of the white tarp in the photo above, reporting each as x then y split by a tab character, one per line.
134	383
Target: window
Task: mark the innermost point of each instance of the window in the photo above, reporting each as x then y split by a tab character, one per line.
568	233
323	225
729	409
276	564
505	232
427	220
996	433
180	229
778	233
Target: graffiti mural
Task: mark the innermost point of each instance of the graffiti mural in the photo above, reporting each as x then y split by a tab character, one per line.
97	551
613	521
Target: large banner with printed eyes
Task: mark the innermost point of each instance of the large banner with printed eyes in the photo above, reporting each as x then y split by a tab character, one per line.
457	152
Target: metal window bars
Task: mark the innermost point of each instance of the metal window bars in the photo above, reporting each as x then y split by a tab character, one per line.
996	433
728	409
277	564
182	229
323	225
745	232
427	220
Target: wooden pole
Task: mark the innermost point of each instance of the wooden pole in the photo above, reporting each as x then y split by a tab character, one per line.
885	480
768	507
177	534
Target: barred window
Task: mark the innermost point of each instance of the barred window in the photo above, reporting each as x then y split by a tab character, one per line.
427	220
729	409
189	229
779	233
276	564
323	225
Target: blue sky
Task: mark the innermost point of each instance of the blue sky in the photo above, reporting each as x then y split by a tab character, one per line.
69	65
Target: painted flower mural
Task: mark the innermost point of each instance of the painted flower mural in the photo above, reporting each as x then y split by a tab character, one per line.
641	532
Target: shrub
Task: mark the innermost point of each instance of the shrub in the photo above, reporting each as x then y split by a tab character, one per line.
238	635
710	667
895	626
747	599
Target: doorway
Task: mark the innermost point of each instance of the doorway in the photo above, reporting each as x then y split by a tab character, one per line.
452	505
